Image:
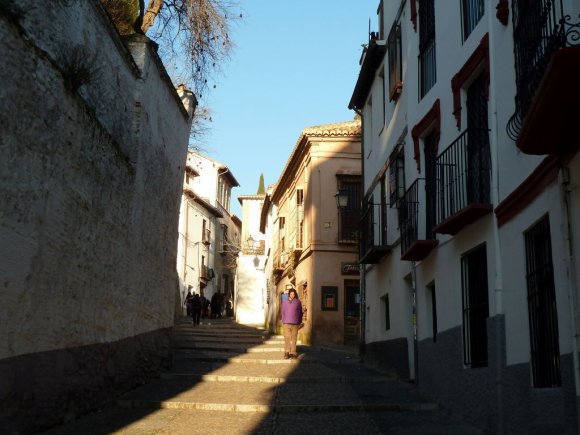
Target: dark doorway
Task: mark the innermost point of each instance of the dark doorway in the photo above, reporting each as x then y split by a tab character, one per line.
351	312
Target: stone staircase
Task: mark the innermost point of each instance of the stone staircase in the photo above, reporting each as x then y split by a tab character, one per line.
228	378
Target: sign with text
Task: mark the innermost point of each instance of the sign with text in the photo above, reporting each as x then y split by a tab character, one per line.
349	268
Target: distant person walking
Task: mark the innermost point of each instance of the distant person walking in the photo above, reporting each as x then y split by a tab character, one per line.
215	306
196	308
291	320
187	303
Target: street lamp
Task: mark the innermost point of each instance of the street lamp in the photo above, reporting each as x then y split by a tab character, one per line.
253	249
251	243
341	199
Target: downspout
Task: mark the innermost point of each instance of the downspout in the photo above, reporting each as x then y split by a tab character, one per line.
566	189
414	320
362	268
495	199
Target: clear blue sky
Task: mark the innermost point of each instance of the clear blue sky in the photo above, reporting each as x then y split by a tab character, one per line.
295	66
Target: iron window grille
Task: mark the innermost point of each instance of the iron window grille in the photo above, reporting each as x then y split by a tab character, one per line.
542	312
475	307
471	13
348	228
427	57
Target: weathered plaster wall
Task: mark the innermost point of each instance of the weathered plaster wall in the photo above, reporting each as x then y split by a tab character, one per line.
90	181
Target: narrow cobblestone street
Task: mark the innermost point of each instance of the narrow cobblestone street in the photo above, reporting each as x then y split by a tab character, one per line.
232	379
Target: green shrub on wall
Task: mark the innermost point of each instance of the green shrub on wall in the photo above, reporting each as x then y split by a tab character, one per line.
123	13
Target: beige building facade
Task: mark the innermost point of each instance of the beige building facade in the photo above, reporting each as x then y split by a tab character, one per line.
313	244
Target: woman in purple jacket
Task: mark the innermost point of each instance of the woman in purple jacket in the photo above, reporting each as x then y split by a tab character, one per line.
291	320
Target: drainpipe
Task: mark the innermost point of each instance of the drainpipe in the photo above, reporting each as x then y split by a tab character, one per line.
566	189
414	321
362	268
495	199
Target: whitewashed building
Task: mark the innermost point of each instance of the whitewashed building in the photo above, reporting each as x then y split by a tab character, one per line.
471	210
251	300
208	233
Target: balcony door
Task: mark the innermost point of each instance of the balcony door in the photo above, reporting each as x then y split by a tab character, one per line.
478	158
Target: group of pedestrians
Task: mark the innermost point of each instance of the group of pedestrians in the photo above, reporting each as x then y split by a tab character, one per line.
198	306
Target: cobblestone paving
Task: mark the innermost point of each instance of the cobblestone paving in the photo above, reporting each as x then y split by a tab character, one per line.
232	379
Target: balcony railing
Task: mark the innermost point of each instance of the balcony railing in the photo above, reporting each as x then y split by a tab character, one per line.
296	229
206	236
373	242
416	221
280	259
207	273
542	29
464	176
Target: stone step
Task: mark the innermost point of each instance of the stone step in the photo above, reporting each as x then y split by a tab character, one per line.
263	397
234	340
229	348
121	420
256	358
275	380
234	334
194	367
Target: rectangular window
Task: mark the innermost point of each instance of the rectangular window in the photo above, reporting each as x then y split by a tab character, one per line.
475	307
431	298
387	313
381	16
282	232
299	197
329	298
299	218
397	176
383	96
224	239
395	62
349	216
471	13
542	313
427	64
205	233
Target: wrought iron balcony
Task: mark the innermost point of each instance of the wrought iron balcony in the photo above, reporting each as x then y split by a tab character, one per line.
373	242
416	221
547	61
463	170
206	237
207	273
280	259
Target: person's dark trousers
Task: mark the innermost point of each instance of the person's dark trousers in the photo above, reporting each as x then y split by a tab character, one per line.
196	316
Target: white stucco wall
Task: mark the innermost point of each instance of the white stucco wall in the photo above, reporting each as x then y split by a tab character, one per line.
250	302
90	185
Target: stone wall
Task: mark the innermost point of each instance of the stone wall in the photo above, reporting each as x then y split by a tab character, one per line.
93	143
497	398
